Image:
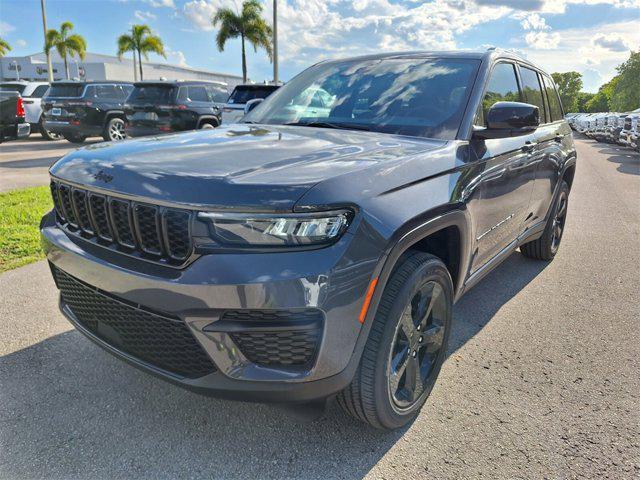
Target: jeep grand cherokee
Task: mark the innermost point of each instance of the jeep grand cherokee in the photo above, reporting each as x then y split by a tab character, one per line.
307	253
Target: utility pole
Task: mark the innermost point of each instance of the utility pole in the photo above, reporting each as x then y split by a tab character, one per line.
44	26
275	41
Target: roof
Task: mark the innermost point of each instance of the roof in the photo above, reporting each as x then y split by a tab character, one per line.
90	82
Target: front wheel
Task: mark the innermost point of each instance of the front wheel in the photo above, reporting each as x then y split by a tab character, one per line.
546	247
406	346
46	134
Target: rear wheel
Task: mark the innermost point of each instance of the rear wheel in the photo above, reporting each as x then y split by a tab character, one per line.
546	247
46	134
114	131
75	138
207	125
406	346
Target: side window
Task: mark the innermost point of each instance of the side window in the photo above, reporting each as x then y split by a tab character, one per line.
182	94
198	94
217	94
532	90
40	91
554	101
502	87
107	91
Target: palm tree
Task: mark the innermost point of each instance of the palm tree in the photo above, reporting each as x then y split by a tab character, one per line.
249	26
65	44
142	41
4	47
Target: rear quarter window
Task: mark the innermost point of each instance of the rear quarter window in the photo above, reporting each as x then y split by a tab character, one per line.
65	91
555	107
152	94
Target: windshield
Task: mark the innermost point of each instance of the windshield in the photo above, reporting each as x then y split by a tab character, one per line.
12	87
65	90
244	94
152	94
407	96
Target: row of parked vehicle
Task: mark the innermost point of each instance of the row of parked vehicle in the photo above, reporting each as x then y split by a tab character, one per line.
610	127
116	110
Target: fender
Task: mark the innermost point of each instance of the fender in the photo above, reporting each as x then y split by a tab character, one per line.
113	113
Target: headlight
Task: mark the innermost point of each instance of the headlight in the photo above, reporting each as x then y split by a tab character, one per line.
272	230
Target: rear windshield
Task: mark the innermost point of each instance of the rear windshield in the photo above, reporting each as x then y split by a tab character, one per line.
65	91
244	94
8	87
152	94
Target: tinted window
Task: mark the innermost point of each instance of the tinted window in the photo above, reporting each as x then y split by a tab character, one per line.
217	94
242	94
407	96
151	94
108	91
554	101
39	91
65	90
198	94
8	87
502	87
531	89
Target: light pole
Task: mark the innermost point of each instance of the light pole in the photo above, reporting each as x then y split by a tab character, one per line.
44	26
275	41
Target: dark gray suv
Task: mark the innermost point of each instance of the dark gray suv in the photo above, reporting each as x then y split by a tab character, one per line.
315	250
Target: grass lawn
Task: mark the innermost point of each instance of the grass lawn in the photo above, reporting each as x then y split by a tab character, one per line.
20	213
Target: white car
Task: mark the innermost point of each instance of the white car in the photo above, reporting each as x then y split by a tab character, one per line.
233	110
32	93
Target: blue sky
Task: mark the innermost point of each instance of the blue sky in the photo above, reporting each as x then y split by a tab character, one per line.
590	36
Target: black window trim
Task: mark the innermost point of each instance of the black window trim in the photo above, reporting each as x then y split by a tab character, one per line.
546	77
538	73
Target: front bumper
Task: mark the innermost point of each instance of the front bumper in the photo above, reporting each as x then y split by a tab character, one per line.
327	279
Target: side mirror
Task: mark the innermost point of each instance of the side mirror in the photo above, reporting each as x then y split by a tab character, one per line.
251	104
509	119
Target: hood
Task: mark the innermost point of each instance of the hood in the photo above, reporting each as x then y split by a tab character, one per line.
246	167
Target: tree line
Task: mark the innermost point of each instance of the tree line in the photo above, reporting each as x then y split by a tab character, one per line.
620	94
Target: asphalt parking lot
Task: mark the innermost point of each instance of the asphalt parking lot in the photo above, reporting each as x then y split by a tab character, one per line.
541	380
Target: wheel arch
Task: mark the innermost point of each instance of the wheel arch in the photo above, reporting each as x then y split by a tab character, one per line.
111	114
208	119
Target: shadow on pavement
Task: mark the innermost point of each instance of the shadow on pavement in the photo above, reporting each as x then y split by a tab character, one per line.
68	409
628	160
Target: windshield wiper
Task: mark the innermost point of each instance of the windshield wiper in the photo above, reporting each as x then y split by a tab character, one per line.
341	126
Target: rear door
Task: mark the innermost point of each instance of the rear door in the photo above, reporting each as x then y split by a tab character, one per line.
150	108
506	180
198	104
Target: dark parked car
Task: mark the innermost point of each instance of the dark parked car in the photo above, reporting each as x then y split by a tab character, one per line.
77	110
12	117
299	257
233	111
162	107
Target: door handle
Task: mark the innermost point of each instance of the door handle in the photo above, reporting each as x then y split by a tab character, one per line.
528	147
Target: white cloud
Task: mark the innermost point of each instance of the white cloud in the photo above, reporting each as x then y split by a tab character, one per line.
533	21
555	6
542	40
21	43
144	16
612	41
176	57
161	3
6	28
200	12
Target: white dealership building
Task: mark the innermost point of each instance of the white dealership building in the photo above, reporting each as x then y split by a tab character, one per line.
102	67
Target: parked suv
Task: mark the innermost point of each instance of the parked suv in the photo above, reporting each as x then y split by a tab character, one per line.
32	93
77	110
305	254
161	107
234	110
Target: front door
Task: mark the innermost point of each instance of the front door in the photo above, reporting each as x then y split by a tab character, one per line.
507	178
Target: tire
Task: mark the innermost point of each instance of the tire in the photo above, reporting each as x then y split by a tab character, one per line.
207	125
546	247
75	138
376	395
46	134
114	131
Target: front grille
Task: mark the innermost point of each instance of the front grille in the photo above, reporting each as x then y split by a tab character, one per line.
148	231
293	344
160	340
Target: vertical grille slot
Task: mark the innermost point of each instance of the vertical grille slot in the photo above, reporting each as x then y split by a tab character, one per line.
65	201
56	200
147	222
177	235
98	211
121	221
80	203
